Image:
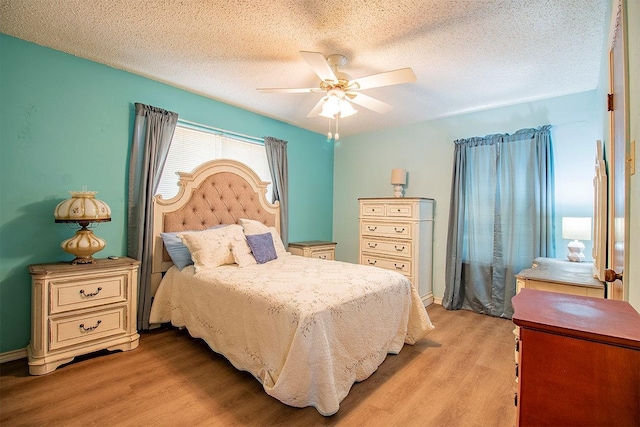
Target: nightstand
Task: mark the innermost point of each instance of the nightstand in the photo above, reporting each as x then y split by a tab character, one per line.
314	249
79	309
555	275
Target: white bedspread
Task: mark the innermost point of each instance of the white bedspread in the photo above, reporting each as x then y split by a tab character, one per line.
306	328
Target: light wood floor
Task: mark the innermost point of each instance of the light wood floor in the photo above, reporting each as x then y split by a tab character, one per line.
462	374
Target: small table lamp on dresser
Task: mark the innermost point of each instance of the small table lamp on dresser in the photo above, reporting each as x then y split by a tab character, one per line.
576	229
398	179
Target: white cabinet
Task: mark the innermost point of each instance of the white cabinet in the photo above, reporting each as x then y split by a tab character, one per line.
397	234
79	309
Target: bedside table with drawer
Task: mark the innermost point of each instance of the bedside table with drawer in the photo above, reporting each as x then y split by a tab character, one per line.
314	249
79	309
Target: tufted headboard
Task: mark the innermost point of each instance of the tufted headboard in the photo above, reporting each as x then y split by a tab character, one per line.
216	192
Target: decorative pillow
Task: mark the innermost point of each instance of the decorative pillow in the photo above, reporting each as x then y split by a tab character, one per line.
211	248
252	227
262	247
241	251
177	250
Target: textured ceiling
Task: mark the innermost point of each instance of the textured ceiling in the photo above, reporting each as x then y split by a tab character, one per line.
468	55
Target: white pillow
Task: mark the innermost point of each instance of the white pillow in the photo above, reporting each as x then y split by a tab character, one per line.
252	227
241	251
211	248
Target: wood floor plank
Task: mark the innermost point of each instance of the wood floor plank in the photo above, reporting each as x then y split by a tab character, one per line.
462	374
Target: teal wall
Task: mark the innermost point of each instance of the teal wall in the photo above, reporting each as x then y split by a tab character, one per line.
66	122
363	166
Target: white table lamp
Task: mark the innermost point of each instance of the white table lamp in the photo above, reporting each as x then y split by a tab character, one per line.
398	179
576	229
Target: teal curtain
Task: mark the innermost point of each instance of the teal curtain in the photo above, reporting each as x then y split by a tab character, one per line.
501	217
152	134
279	168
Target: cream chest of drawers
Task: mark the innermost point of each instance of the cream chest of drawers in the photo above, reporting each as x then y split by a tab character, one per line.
397	234
79	309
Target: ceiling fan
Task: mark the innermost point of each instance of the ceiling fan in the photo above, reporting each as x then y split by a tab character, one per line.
340	89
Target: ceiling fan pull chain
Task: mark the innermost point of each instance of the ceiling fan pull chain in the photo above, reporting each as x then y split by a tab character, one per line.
337	123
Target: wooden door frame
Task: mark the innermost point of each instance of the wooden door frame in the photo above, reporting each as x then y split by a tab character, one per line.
617	34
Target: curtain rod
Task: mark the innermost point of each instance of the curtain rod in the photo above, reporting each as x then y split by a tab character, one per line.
222	131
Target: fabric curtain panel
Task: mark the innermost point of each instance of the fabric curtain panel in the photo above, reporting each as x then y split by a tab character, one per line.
152	134
501	217
279	168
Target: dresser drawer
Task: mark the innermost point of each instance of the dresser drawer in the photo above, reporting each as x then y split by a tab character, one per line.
399	210
385	229
401	266
386	247
372	210
72	330
73	294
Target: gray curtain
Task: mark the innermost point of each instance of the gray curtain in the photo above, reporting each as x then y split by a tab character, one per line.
501	217
152	134
279	168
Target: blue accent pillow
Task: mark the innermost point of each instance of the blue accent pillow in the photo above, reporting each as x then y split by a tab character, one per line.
177	250
262	247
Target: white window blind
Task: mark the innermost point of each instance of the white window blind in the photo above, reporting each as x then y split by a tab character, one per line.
191	146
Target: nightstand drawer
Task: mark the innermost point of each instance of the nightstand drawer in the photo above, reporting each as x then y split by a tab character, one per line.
401	266
381	229
323	253
386	247
73	294
68	331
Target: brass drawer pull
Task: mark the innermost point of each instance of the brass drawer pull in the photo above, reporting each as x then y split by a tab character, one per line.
370	228
372	245
398	231
372	262
399	268
90	328
93	294
399	249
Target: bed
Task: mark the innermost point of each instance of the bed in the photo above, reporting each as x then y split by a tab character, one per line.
306	328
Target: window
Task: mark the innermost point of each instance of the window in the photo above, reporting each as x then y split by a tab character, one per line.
193	145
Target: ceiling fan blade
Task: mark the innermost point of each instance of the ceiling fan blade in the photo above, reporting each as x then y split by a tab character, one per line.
315	111
319	65
369	102
289	90
388	78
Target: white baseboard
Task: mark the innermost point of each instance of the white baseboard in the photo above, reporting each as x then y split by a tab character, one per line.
10	356
437	300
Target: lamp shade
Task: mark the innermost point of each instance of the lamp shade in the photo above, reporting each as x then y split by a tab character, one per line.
398	176
82	207
576	228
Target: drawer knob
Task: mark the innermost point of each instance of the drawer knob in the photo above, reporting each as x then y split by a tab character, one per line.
399	230
92	294
373	245
90	328
372	262
372	228
322	257
399	248
399	267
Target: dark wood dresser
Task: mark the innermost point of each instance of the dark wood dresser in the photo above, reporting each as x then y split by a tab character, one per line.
578	360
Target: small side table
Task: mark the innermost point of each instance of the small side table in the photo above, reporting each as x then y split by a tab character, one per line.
79	309
314	249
